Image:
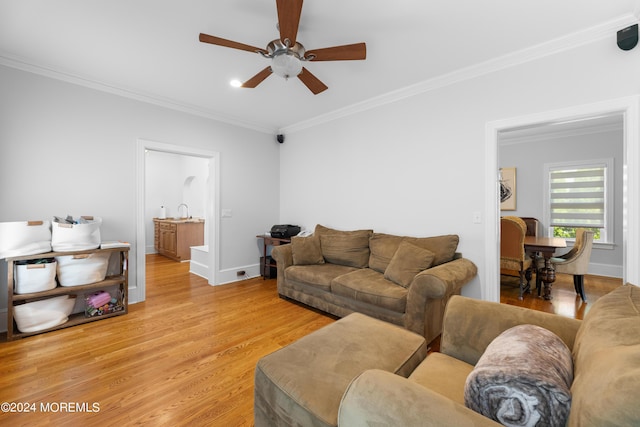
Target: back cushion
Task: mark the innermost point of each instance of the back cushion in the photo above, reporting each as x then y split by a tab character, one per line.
383	247
444	247
349	248
606	356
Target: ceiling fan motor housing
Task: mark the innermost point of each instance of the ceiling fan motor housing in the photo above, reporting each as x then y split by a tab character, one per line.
286	61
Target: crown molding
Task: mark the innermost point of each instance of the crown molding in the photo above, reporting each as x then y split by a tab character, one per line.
24	65
552	47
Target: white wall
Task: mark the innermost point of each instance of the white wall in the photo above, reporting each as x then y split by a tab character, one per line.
417	166
66	149
529	159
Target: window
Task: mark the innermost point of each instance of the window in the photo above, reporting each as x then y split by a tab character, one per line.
579	195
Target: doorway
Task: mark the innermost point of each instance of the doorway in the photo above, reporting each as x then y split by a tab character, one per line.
210	211
630	110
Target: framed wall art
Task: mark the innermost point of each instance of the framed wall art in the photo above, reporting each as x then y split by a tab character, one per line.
507	189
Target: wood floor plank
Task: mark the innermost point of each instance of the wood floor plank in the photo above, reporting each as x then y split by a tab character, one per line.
184	357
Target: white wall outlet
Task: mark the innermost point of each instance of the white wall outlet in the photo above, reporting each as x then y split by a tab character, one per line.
477	217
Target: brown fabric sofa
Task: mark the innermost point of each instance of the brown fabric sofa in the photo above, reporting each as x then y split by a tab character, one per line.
399	279
605	350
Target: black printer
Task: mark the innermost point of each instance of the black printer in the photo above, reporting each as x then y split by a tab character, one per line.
284	231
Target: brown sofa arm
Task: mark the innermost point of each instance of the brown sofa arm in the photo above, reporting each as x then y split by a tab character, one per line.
380	398
470	325
284	258
429	293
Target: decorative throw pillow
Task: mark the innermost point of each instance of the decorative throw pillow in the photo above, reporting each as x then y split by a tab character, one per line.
306	250
408	261
523	379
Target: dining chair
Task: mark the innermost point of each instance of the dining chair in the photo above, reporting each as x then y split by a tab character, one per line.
576	261
512	255
532	225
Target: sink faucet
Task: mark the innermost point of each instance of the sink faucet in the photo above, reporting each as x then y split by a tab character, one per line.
187	207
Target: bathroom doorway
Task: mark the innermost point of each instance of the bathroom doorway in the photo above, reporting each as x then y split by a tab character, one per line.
175	187
201	187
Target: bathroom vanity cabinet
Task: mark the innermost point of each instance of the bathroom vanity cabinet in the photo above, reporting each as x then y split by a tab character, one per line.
173	237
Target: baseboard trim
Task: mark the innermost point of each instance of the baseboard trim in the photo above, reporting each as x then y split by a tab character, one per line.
607	270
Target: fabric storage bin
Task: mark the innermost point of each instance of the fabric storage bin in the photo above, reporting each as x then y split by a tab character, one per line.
24	238
47	313
76	237
82	269
35	276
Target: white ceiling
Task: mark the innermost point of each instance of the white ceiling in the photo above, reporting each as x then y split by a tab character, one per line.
149	49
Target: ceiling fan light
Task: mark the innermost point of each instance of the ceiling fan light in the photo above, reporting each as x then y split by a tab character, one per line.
286	64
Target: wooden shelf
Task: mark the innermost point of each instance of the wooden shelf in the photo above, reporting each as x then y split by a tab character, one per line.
55	254
62	290
119	280
74	320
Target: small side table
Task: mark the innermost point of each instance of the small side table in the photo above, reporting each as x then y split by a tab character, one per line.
267	264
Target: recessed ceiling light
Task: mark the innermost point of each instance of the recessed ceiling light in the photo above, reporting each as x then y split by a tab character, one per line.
235	83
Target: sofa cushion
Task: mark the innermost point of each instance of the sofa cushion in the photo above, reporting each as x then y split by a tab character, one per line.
369	286
607	362
443	374
306	250
318	275
444	247
350	248
408	261
382	247
523	378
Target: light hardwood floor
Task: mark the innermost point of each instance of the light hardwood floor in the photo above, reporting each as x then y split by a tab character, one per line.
186	356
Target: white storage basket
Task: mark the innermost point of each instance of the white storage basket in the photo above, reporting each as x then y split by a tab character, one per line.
47	313
24	238
76	237
35	277
82	269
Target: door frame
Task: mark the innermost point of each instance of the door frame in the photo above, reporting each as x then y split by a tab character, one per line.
212	217
629	107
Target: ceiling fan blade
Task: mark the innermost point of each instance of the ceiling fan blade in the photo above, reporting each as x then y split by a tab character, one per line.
339	53
257	79
288	19
312	82
205	38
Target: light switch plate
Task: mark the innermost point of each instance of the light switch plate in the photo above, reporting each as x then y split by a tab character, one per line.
227	213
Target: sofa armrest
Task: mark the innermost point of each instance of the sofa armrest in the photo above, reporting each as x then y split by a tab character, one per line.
283	256
470	325
381	398
429	293
444	279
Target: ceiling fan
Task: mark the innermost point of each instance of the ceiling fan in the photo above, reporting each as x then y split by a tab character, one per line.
287	55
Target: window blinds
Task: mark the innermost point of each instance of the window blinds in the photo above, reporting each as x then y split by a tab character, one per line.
577	197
